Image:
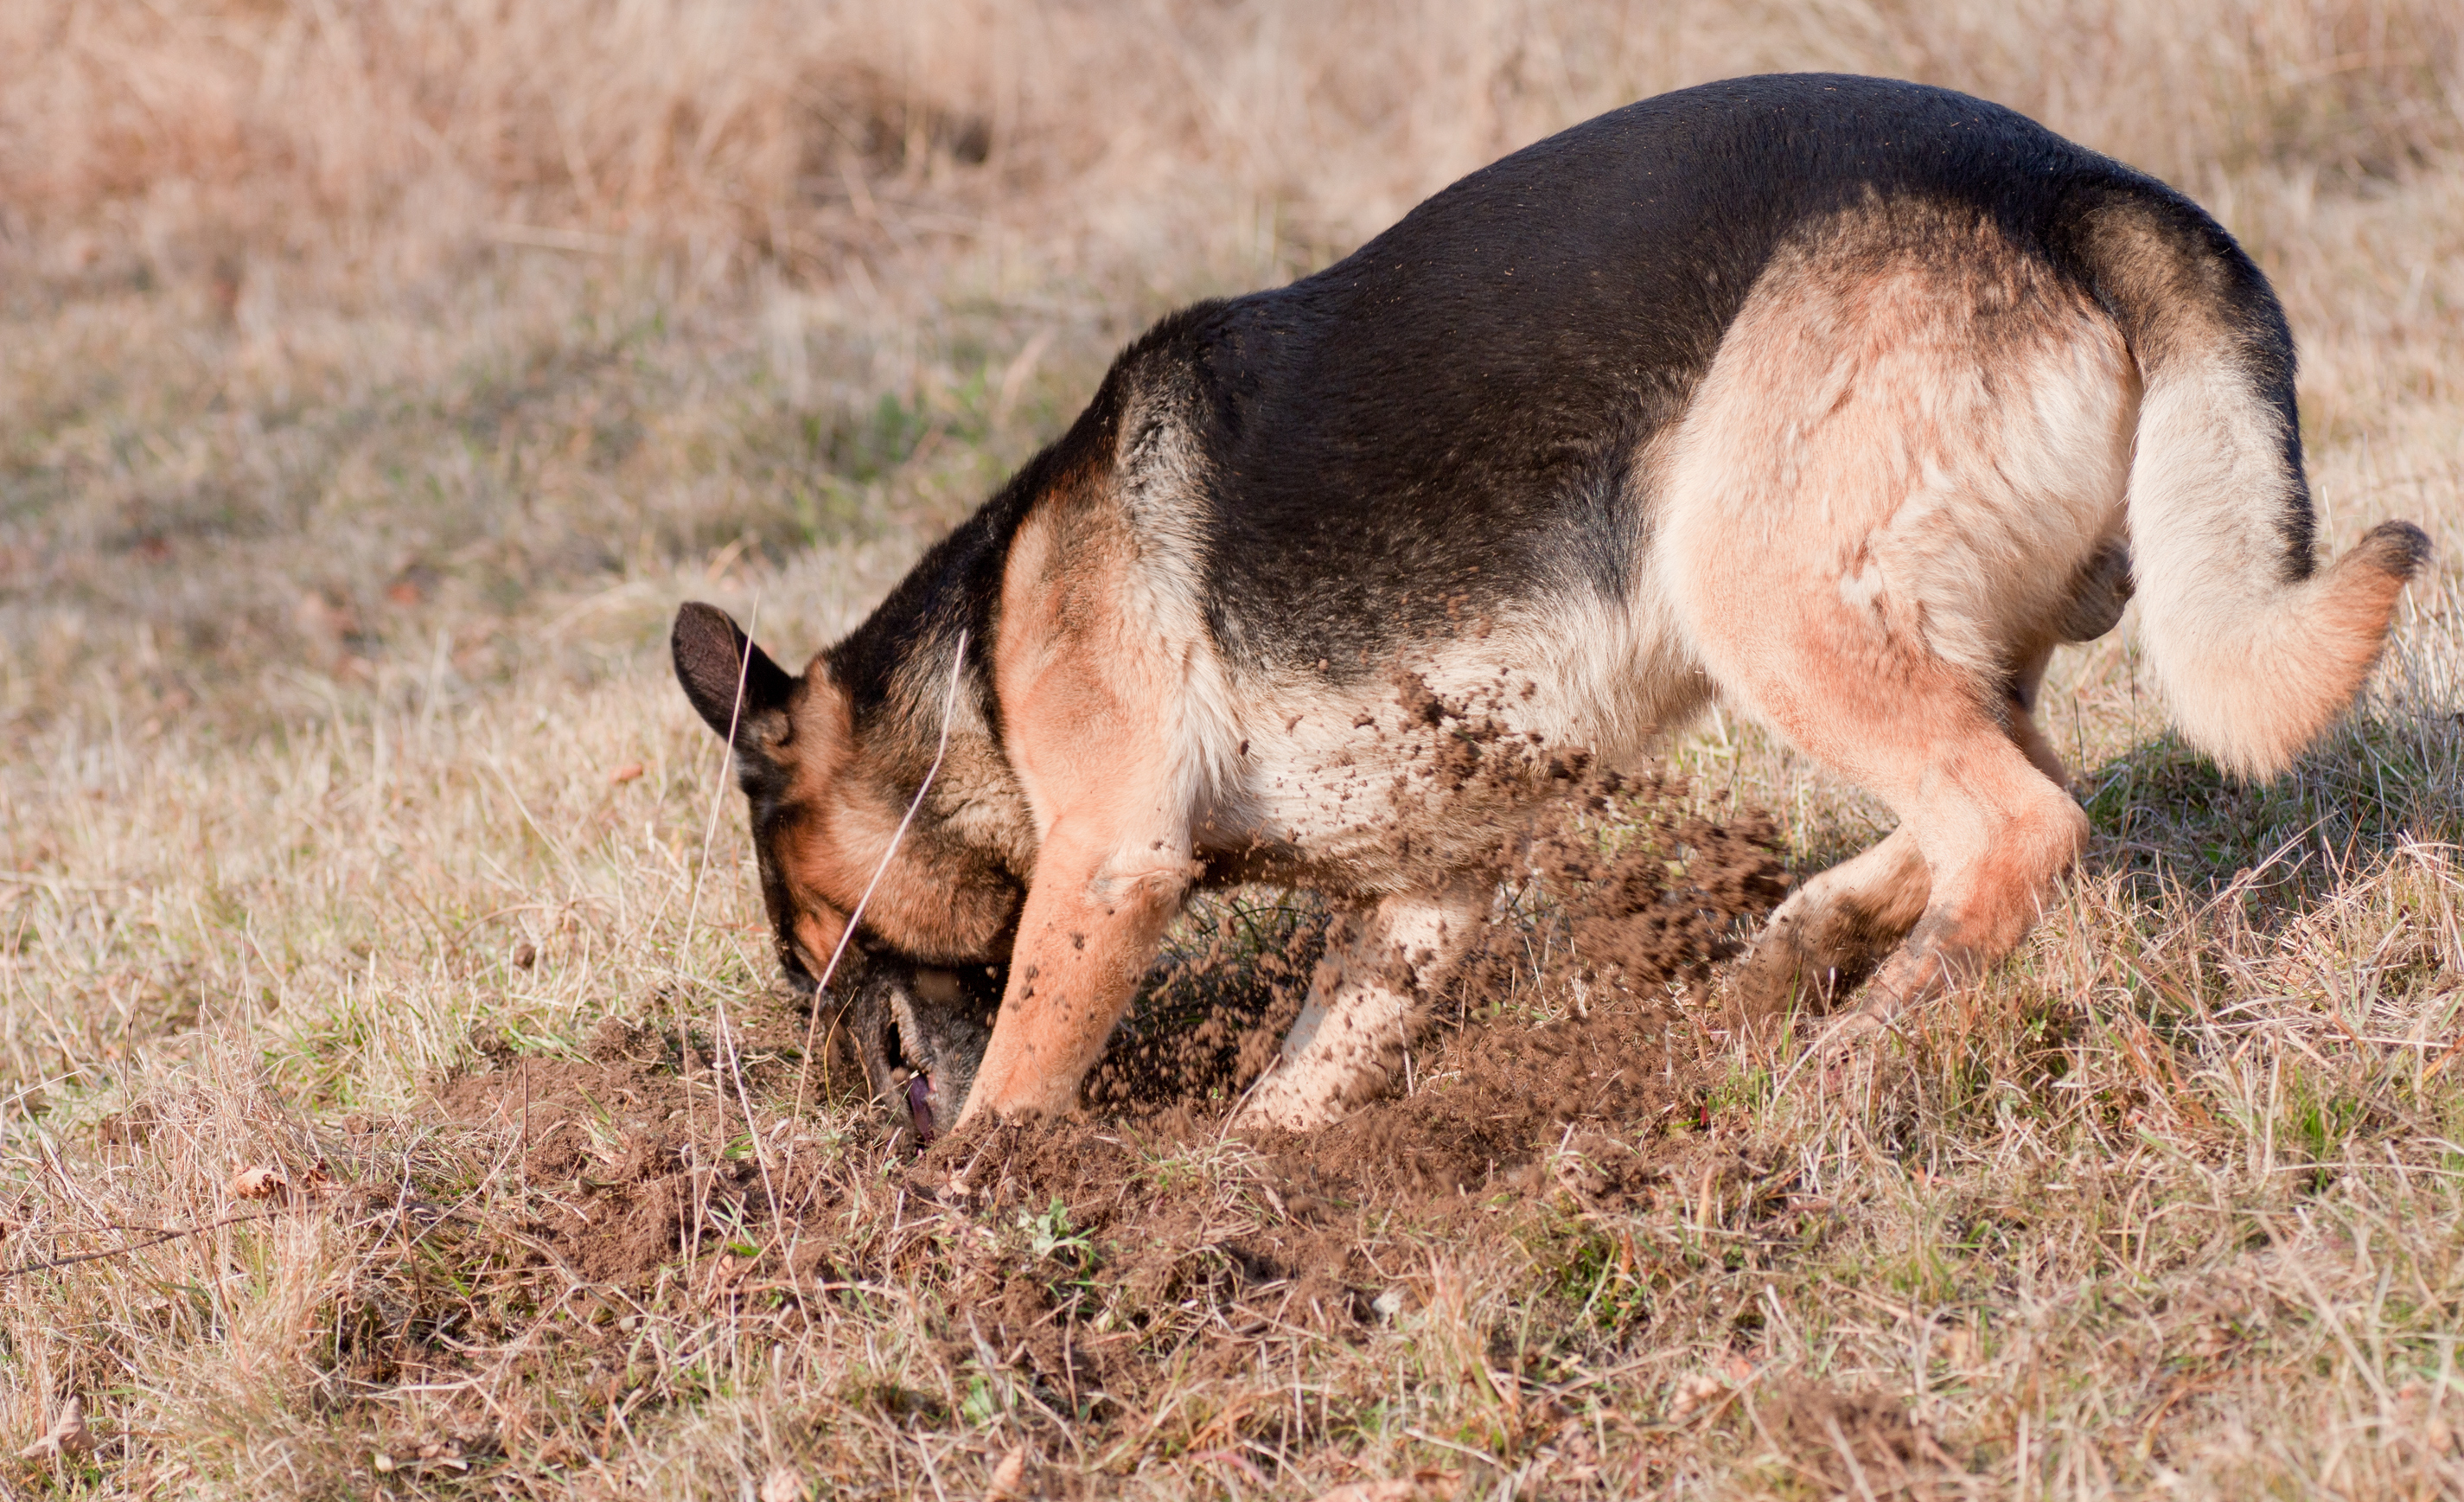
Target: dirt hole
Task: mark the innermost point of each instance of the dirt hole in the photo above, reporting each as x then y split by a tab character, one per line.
1569	1065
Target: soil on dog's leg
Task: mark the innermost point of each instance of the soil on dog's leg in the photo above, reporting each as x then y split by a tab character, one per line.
1638	916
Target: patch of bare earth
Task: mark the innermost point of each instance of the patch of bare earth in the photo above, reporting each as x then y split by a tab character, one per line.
1100	1261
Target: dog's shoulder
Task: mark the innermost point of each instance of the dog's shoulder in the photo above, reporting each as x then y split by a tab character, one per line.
957	586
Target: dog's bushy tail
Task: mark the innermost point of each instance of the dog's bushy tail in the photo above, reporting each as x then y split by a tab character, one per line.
2257	648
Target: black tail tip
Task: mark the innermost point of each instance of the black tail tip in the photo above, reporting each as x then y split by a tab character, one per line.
2397	548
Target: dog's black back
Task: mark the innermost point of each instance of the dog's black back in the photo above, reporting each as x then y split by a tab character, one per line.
1454	411
1453	416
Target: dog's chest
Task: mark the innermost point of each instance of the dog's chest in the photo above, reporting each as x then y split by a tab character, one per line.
1387	781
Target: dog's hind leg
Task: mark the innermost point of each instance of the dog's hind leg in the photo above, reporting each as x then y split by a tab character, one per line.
1830	934
2020	716
1991	830
1832	931
1997	835
1897	488
1380	967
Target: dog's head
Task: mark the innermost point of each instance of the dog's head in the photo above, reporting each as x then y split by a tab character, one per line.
828	791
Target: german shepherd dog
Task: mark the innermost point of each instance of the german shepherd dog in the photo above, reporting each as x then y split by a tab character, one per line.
1838	399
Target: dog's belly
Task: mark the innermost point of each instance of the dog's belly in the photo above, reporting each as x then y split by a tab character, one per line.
1411	777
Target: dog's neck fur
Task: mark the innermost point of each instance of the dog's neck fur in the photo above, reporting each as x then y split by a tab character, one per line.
894	669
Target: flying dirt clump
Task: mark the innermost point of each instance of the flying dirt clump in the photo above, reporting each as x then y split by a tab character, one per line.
1624	897
1564	1016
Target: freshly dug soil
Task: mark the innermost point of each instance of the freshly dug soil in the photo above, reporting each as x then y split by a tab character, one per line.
1491	1092
637	1158
1858	1444
1088	1251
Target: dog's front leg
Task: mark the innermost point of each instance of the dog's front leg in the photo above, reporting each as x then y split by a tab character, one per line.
1094	913
1380	967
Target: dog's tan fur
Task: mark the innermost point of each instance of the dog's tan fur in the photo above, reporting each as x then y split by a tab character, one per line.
1088	687
848	810
1900	465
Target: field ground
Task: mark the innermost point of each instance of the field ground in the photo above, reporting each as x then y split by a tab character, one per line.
374	382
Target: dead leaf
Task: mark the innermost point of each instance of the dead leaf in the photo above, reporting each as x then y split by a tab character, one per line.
260	1182
1709	1392
625	773
67	1436
784	1484
1009	1476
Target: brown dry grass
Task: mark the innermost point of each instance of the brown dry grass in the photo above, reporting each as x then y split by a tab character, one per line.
376	379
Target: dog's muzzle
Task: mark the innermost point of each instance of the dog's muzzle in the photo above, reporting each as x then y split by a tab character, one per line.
921	1033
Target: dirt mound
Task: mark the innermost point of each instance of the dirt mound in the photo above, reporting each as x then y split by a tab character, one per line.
1498	1099
1562	1029
1107	1264
638	1157
1614	904
1102	1258
1650	899
1500	1094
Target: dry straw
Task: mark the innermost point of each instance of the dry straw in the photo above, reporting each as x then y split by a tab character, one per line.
377	379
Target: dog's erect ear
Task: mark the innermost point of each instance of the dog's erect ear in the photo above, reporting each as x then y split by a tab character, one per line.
714	659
